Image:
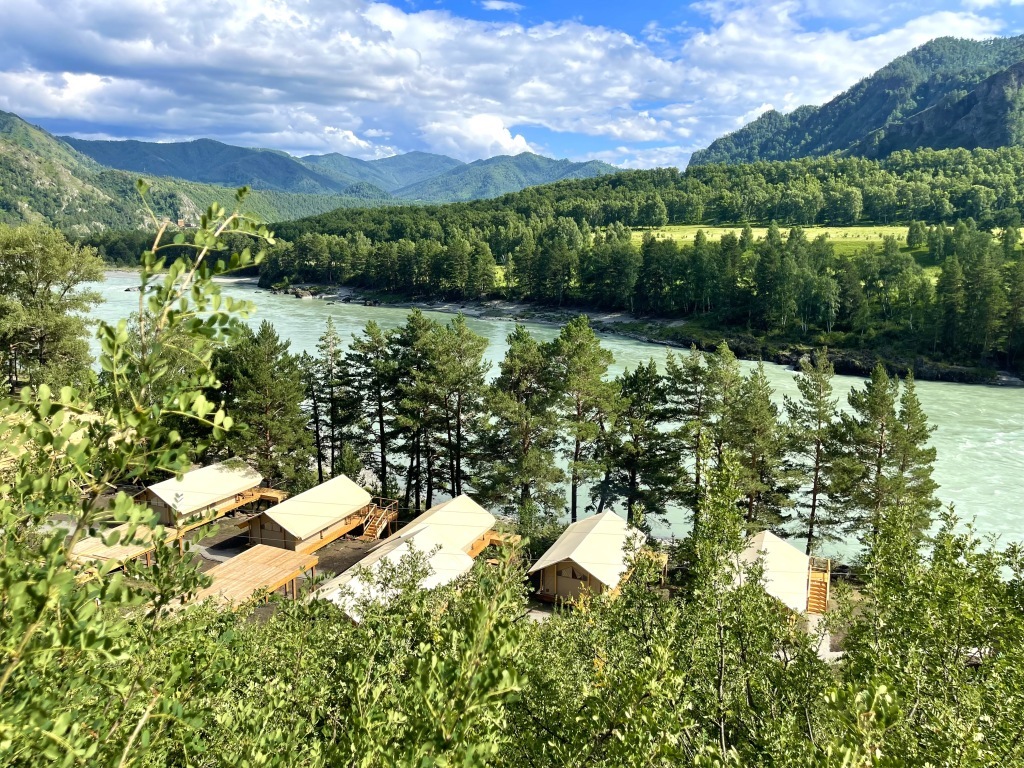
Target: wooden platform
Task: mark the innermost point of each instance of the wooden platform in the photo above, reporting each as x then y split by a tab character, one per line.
261	567
491	538
93	550
270	495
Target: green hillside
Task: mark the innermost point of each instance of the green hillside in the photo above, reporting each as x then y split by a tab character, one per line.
388	174
935	75
498	176
43	179
209	161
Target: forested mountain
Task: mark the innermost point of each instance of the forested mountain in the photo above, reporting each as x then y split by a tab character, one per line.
500	175
992	115
938	77
209	161
388	173
417	176
43	179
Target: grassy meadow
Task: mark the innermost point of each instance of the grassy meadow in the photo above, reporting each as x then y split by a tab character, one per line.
847	240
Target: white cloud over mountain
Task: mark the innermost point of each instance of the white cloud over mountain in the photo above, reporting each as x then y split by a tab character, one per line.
371	79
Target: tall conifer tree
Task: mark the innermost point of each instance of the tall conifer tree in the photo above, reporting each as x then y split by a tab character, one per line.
812	443
587	401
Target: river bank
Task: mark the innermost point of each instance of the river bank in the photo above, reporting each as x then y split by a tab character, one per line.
670	332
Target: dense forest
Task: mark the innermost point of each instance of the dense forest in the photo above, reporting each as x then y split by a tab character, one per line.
100	668
950	291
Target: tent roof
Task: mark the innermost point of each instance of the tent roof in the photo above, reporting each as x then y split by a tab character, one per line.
597	544
785	568
443	533
319	507
358	584
454	524
205	486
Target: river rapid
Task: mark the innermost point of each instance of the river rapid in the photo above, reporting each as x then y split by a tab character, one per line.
979	432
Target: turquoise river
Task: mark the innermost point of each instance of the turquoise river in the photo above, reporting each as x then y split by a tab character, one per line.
979	430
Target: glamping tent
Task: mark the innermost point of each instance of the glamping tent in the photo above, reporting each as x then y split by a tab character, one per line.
450	535
313	519
798	581
590	556
203	493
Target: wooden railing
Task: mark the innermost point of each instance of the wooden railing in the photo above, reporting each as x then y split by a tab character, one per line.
380	514
819	574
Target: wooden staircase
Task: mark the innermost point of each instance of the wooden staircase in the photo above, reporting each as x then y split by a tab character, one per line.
819	574
379	516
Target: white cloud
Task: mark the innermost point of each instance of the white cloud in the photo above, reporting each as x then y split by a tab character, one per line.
370	79
474	137
500	5
651	157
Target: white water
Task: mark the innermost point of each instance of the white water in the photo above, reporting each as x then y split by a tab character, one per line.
979	435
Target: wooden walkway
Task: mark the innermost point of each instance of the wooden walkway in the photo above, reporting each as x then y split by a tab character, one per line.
261	567
92	550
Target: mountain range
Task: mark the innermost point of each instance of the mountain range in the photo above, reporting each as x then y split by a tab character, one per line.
83	185
946	93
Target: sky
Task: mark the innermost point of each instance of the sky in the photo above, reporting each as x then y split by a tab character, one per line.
636	84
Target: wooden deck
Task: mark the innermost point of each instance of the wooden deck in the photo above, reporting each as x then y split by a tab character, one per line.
92	550
332	533
491	538
261	567
270	495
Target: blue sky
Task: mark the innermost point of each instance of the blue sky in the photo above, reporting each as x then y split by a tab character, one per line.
636	84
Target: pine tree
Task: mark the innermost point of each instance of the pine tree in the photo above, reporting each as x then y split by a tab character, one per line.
886	466
951	303
316	408
641	470
412	350
517	468
1015	311
759	445
984	304
914	461
580	364
812	423
694	399
263	387
341	406
455	376
375	378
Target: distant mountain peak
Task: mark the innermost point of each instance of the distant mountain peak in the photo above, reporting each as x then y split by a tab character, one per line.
883	111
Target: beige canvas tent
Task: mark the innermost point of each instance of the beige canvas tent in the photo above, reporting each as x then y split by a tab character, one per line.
449	535
590	556
202	493
798	581
313	519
